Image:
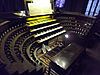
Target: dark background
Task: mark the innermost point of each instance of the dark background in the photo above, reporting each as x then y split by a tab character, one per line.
11	5
18	5
75	6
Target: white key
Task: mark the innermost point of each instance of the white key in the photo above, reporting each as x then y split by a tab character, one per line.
49	37
44	27
48	31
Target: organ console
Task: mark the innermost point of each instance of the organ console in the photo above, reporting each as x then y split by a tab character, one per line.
32	44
